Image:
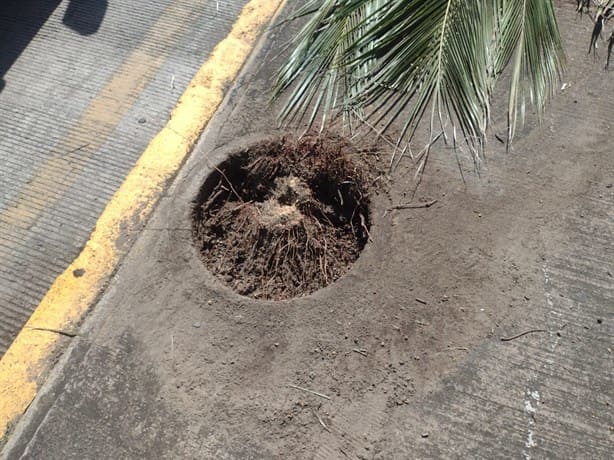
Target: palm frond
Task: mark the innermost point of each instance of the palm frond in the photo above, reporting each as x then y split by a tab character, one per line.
318	66
397	59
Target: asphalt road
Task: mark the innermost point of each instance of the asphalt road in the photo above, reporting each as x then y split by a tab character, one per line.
84	86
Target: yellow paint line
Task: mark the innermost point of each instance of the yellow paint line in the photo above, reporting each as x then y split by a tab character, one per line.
99	119
28	358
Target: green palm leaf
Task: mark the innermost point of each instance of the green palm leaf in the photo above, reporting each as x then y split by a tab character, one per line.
391	60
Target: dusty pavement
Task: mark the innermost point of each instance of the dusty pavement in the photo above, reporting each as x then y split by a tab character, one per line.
171	364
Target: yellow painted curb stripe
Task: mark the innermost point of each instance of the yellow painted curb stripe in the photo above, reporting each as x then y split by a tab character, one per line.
28	358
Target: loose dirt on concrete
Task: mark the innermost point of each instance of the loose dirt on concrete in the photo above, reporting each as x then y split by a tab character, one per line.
284	217
401	357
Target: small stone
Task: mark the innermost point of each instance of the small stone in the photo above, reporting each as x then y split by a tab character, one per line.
78	273
196	324
425	435
142	121
276	344
209	302
599	321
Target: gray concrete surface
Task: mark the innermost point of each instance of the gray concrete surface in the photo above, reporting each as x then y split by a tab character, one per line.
85	86
172	364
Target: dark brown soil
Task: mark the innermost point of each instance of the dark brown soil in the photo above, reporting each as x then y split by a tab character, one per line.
283	218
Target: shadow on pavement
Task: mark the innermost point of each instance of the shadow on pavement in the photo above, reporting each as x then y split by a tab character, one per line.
85	16
20	21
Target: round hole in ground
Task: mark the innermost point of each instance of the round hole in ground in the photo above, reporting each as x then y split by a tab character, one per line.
283	218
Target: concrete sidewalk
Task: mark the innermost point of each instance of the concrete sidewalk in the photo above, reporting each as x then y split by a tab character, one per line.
172	364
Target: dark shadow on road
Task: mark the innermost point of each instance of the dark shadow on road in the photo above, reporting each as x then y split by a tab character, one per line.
20	21
85	16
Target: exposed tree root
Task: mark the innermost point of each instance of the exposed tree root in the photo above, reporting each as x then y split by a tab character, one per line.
282	218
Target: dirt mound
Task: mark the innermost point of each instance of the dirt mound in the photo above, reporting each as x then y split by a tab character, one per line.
283	218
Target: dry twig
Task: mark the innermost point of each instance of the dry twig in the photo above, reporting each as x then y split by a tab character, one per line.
428	204
507	339
454	349
321	421
56	331
360	351
296	387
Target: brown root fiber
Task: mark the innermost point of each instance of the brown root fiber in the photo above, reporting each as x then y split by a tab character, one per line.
283	218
